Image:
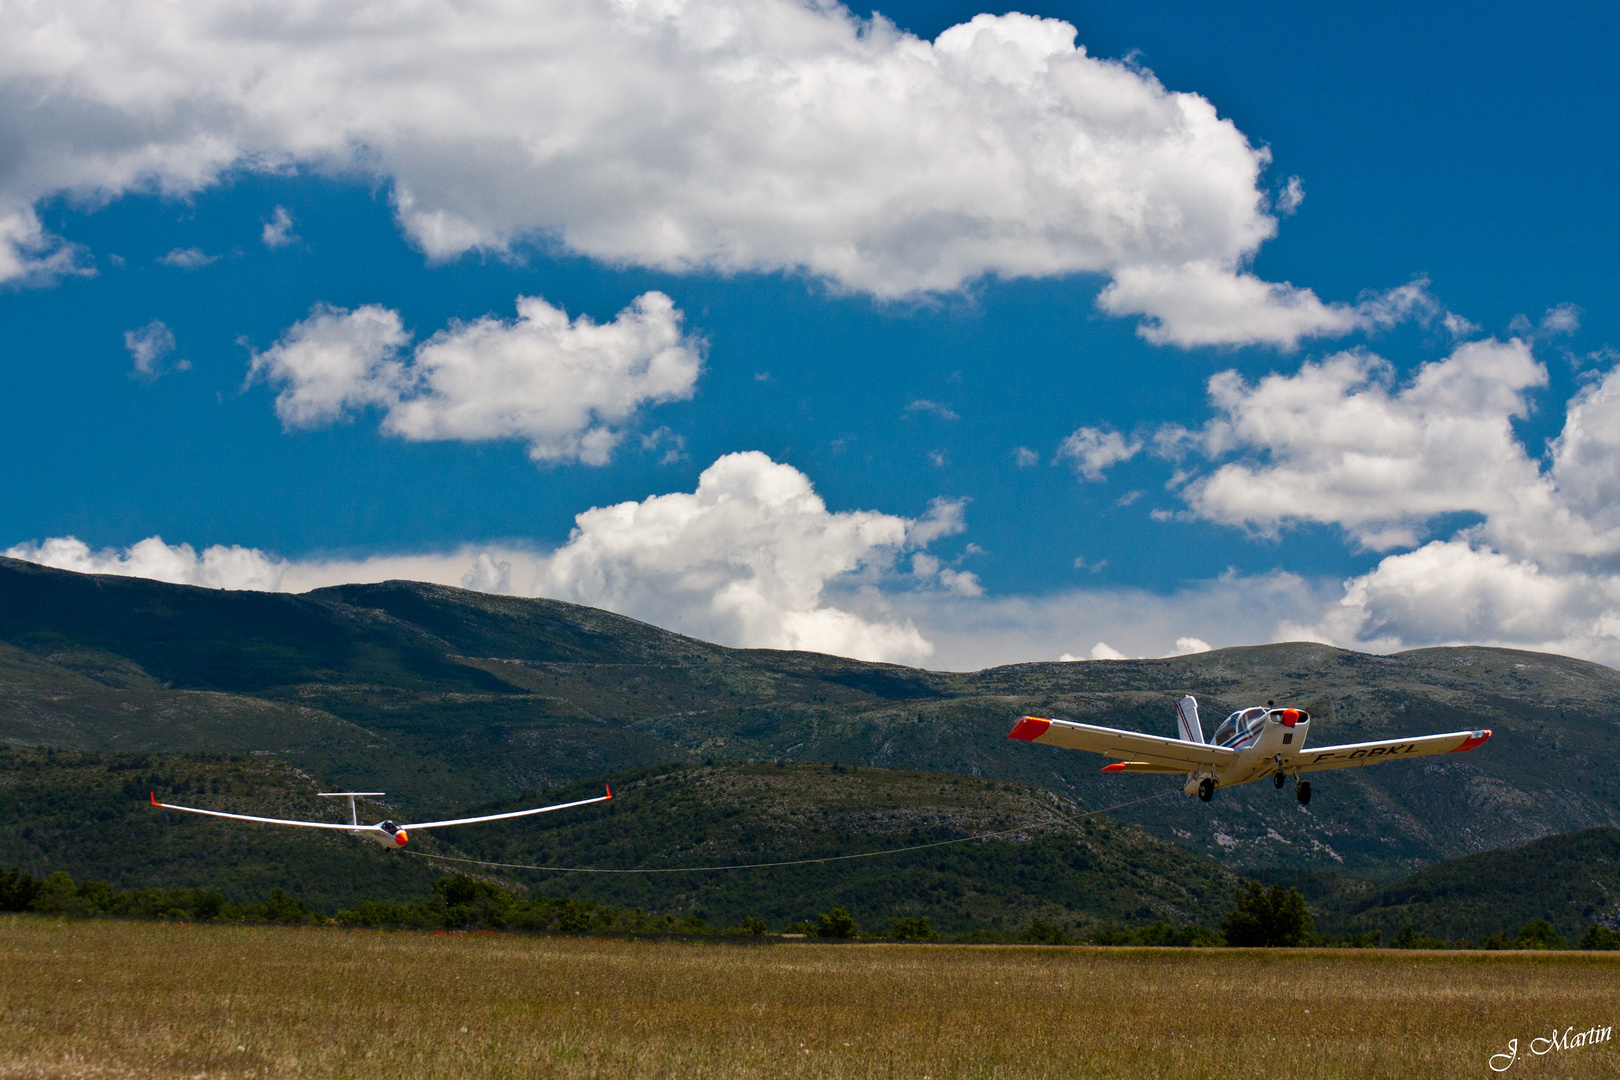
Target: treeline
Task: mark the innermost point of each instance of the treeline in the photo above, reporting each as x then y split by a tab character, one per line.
1263	917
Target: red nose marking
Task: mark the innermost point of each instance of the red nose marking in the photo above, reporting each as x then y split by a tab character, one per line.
400	838
1290	717
1029	728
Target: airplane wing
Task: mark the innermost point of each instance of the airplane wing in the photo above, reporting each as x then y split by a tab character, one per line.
1173	755
263	820
1351	755
514	813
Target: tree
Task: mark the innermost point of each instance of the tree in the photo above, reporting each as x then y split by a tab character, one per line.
1600	937
1271	917
912	930
1539	934
837	923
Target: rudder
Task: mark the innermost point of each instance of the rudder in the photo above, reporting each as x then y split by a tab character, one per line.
1187	720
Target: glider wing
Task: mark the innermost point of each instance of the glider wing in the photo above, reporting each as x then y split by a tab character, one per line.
1351	755
347	826
514	813
1175	755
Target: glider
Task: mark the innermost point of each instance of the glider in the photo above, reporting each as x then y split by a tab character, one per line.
387	833
1251	744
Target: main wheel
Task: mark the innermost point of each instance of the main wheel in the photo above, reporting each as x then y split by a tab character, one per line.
1277	780
1304	791
1206	789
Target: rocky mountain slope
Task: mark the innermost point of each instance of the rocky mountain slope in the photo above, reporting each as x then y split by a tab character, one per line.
445	697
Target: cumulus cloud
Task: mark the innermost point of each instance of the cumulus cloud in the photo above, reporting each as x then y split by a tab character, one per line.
277	232
1340	442
148	346
1343	441
188	258
1092	451
563	386
1291	197
772	135
1208	302
747	558
217	567
31	256
944	412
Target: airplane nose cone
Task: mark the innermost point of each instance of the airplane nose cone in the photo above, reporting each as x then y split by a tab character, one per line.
400	838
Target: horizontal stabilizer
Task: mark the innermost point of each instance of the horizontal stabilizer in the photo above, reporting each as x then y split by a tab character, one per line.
1142	767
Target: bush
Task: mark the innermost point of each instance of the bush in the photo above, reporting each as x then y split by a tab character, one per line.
912	930
1601	938
1409	939
1539	934
1498	940
837	923
1268	917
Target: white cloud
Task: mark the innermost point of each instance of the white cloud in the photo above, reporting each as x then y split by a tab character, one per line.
561	386
944	412
1025	458
148	346
1093	451
1343	441
1104	651
218	567
31	256
188	258
1291	197
334	361
1188	645
1209	302
747	558
277	232
1340	442
772	135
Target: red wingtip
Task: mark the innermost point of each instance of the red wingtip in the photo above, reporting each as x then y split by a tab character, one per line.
609	790
1118	766
154	799
1029	728
1473	741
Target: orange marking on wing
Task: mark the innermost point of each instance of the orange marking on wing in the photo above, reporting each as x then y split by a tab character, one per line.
1029	728
1470	743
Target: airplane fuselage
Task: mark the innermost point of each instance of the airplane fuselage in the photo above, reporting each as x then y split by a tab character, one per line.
1267	740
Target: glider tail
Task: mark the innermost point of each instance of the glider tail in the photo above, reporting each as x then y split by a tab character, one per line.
1187	720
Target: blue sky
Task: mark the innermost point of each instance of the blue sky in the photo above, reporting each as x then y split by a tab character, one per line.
996	375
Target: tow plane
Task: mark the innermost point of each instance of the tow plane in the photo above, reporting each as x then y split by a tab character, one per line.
387	833
1250	745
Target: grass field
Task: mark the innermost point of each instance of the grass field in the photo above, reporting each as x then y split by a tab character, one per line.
115	999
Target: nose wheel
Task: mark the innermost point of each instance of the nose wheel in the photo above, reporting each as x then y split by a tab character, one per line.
1277	780
1303	790
1206	789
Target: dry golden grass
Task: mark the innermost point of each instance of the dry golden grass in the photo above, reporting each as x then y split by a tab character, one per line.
109	999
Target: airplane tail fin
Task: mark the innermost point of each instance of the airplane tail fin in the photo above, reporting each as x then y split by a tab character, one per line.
1187	720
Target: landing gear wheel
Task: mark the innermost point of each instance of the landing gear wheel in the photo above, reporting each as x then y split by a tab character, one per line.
1303	790
1277	780
1206	789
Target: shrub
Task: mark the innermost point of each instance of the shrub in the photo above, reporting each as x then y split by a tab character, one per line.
837	923
1601	938
1271	917
1539	934
912	930
1410	939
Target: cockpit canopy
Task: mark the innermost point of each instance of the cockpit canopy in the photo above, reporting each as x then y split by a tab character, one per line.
1242	724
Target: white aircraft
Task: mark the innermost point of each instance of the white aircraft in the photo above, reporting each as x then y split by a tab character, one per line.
386	833
1251	744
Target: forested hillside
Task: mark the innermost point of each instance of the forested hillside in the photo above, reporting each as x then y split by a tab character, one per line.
447	698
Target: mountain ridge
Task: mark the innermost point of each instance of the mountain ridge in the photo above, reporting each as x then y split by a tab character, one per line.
447	696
